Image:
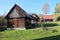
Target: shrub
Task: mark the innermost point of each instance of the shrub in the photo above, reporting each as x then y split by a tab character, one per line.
3	23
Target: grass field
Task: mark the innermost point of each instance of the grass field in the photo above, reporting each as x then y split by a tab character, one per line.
53	33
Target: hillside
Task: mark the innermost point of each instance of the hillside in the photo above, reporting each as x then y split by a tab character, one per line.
56	15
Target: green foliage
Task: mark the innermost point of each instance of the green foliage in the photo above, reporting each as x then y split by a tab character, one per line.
3	23
58	18
55	16
57	8
50	24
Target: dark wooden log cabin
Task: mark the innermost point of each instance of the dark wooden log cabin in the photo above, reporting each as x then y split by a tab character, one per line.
18	18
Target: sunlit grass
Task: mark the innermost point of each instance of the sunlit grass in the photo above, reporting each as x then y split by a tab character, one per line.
30	34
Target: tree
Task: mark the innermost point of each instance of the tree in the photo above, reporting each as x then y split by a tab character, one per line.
58	18
45	10
57	8
3	23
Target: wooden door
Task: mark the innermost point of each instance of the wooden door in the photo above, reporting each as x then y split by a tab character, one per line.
21	22
14	22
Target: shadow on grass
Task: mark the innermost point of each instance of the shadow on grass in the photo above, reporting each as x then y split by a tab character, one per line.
49	38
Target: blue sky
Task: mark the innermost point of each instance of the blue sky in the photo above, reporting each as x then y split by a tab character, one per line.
28	5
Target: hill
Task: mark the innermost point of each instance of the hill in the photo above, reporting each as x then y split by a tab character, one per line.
56	15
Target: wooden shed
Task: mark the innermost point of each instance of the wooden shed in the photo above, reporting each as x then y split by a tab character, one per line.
17	18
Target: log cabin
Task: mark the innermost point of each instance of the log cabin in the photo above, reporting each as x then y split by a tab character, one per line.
18	19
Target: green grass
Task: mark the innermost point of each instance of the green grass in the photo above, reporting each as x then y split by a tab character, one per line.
32	34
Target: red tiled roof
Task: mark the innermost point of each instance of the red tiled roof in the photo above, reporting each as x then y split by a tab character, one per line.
47	17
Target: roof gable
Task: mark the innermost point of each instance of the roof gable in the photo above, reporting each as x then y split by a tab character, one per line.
19	9
34	16
14	14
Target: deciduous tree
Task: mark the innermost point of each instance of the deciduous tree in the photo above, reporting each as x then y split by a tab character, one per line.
57	8
3	23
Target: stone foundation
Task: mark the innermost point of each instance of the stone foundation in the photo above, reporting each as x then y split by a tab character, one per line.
16	28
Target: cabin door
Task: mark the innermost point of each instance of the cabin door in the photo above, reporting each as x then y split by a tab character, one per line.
18	23
21	23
